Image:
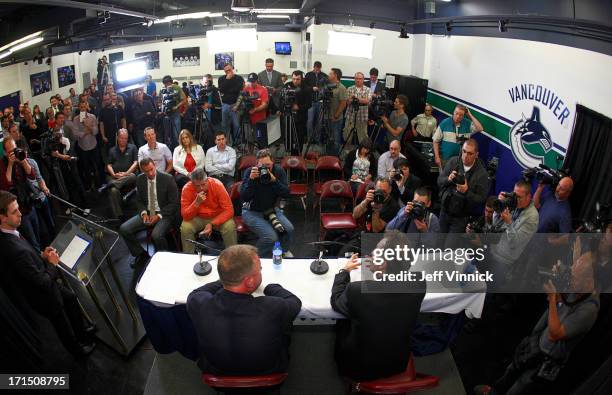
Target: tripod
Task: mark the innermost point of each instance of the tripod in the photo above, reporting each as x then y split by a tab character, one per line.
376	131
291	138
322	127
352	133
202	120
246	133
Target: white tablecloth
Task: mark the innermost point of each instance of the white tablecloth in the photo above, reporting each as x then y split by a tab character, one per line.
169	279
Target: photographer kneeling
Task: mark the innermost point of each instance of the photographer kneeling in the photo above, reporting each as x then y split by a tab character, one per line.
379	206
261	187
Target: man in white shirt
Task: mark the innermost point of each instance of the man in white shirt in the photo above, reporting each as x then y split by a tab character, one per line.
221	161
159	152
385	162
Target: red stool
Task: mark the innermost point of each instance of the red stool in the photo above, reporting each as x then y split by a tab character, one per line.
264	381
407	381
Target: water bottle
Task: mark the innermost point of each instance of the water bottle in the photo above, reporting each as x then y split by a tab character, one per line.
277	254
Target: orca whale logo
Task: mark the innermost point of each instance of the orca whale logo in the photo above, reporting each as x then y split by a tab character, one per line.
525	133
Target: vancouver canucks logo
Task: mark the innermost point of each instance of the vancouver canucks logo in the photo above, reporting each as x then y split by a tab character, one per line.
525	135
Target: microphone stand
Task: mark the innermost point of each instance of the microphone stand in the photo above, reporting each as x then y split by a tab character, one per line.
74	209
201	268
319	266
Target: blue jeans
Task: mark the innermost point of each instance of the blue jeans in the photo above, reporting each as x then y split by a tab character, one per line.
336	131
30	229
266	235
313	114
172	128
227	116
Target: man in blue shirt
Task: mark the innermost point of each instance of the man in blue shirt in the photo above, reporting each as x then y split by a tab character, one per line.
404	222
554	208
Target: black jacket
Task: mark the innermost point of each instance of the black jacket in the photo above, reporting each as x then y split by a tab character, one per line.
166	191
261	197
458	204
239	334
374	341
24	274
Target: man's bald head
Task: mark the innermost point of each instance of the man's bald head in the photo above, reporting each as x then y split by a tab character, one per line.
394	148
564	188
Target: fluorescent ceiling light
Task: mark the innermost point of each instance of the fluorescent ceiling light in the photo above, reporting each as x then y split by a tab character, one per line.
193	15
4	54
350	44
232	40
276	10
26	44
242	5
29	36
130	70
272	16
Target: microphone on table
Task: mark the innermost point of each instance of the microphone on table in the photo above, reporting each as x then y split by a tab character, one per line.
319	266
201	268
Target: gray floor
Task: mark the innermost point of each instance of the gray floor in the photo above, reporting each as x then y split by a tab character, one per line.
312	369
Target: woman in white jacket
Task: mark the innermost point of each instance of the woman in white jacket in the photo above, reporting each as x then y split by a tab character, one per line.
187	157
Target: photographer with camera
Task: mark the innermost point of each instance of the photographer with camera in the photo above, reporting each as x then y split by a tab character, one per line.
173	98
404	181
464	185
484	223
451	132
315	80
15	173
357	110
230	86
396	123
387	160
337	105
261	188
103	69
520	222
257	107
378	207
298	96
415	217
542	355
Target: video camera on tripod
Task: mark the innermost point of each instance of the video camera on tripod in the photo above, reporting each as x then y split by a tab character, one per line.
381	105
288	97
169	99
246	101
205	93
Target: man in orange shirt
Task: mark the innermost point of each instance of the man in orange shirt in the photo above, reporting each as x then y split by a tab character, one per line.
205	205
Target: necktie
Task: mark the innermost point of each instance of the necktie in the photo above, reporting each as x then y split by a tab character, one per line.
152	198
270	78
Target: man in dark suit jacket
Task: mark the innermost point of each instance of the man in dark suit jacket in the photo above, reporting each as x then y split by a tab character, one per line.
158	207
239	334
374	341
271	78
376	86
28	277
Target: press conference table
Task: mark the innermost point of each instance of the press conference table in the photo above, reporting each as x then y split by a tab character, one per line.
169	279
163	289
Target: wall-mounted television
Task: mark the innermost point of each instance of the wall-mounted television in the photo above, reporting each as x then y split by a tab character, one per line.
282	48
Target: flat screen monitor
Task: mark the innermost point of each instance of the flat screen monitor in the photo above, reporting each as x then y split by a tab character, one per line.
282	48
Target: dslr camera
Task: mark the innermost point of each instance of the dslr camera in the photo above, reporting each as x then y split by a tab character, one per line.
264	175
509	202
379	196
20	154
355	104
419	211
459	179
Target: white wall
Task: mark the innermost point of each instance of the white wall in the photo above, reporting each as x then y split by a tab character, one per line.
481	70
391	54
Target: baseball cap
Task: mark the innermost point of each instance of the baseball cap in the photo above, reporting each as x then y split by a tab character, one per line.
252	77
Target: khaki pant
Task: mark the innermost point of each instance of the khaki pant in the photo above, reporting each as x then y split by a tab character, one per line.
189	229
362	130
